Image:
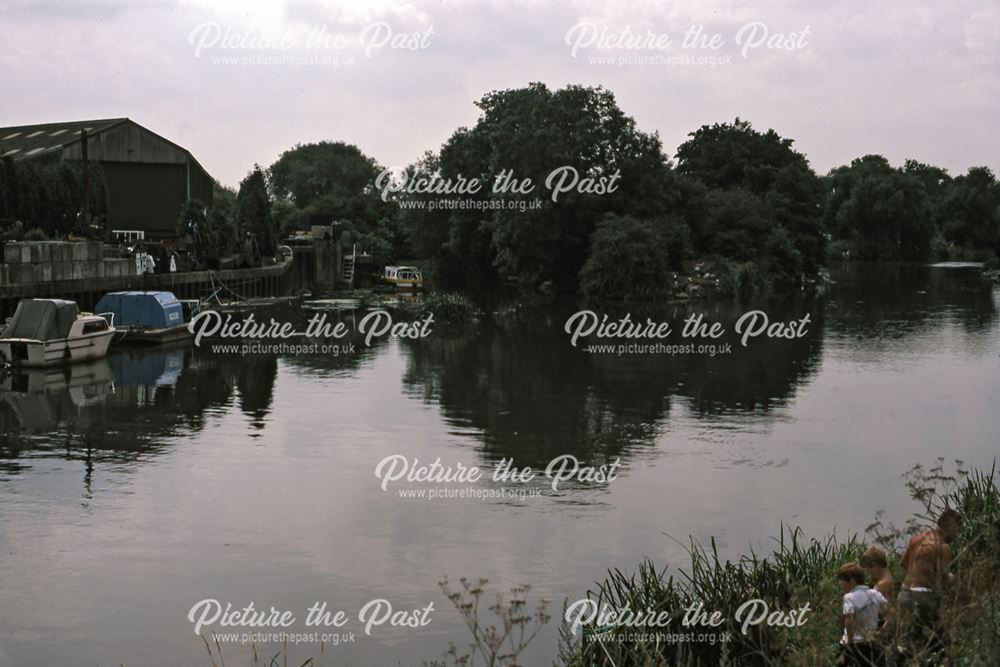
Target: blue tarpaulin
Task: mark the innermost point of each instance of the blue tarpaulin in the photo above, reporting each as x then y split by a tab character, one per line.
149	310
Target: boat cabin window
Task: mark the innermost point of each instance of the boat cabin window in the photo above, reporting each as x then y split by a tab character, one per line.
95	326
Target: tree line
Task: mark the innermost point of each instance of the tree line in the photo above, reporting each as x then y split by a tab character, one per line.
736	206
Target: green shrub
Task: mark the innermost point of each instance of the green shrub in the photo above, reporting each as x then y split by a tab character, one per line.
629	260
447	308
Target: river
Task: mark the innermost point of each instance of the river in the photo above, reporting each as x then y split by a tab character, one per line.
134	488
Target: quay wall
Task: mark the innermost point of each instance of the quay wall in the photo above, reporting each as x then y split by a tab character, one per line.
79	271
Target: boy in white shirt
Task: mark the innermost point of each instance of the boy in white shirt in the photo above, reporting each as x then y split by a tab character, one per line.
861	610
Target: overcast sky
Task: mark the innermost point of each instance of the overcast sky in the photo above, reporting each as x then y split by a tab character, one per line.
916	79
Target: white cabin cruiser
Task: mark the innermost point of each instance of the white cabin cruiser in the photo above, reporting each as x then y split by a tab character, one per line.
49	332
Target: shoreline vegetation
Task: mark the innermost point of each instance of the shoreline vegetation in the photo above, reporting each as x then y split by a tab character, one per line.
803	571
800	574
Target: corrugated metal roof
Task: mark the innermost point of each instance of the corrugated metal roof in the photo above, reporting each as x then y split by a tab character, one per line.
32	140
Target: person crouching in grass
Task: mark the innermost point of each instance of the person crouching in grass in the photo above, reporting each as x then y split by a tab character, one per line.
861	611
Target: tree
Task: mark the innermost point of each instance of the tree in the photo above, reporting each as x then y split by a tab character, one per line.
191	220
329	177
49	196
339	181
527	133
761	197
735	155
253	211
880	211
970	210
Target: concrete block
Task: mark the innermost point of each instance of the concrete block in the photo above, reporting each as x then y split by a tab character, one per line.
79	252
77	271
44	274
12	253
22	273
45	251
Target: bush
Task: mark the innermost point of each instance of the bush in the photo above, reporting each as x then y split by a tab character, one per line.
941	249
629	260
740	280
447	308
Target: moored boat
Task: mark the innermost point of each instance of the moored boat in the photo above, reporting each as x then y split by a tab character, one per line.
403	278
146	317
50	332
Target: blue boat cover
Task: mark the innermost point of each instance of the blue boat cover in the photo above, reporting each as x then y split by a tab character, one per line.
150	310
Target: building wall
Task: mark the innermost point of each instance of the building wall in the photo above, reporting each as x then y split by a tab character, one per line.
148	178
145	196
127	142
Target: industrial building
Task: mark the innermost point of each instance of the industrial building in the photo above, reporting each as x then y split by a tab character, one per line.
148	177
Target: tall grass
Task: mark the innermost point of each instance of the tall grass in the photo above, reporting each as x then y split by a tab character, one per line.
787	579
803	571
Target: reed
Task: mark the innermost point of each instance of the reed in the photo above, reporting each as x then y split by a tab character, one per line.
801	571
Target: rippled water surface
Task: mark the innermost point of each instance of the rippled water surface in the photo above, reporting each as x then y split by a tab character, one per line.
133	488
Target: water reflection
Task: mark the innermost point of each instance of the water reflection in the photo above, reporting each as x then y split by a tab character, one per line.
517	383
875	302
126	407
534	396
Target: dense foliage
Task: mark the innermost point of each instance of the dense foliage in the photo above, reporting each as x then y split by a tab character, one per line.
532	238
253	212
741	198
916	212
336	182
49	196
762	201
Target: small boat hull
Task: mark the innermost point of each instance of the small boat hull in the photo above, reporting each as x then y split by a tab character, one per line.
151	336
30	353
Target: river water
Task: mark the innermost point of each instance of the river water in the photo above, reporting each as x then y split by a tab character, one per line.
134	488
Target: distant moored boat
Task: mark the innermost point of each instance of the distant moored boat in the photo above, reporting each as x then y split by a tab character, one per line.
403	278
146	317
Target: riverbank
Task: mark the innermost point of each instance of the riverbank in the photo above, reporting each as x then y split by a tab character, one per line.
801	575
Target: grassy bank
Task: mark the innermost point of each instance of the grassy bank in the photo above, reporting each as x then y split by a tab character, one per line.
802	571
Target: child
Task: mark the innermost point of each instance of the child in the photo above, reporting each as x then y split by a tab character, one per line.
874	562
861	610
